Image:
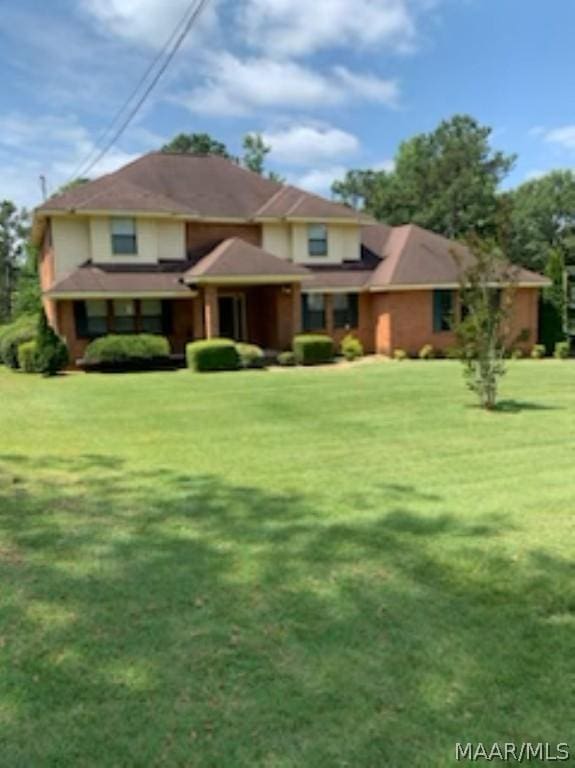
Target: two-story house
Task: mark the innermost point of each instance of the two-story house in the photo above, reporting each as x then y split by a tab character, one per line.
195	246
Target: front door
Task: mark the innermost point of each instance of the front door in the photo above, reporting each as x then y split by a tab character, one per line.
232	317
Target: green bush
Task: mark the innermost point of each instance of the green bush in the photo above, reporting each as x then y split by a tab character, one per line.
51	351
426	352
453	353
562	350
351	347
517	354
538	352
313	349
212	355
286	359
399	354
28	357
251	356
116	349
12	336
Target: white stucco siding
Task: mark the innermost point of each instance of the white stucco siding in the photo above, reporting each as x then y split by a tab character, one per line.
171	240
71	241
277	239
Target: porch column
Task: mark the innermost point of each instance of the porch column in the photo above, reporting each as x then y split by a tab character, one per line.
211	312
328	303
296	308
199	315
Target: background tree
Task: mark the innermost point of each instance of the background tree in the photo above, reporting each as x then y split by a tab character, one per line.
51	351
27	297
553	305
196	144
446	180
255	152
483	331
14	231
543	220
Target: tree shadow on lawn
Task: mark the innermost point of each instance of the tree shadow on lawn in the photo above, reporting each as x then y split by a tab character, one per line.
169	619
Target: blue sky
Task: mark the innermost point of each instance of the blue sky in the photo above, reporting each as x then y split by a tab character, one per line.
332	84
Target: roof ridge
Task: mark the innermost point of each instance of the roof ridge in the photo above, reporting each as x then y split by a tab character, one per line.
276	195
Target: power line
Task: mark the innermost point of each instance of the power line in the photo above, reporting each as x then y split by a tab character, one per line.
171	47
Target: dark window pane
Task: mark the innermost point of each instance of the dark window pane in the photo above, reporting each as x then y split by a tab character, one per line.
313	311
345	310
317	240
124	245
442	310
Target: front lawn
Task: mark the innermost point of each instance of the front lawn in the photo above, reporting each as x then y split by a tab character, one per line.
305	568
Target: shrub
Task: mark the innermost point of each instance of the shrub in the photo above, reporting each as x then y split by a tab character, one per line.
251	356
399	354
117	350
213	355
453	353
351	347
13	335
538	352
313	349
28	357
562	350
426	352
286	359
51	351
517	354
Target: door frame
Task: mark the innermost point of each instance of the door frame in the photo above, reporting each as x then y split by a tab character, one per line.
239	313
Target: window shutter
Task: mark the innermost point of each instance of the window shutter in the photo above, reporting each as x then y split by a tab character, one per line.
80	320
167	318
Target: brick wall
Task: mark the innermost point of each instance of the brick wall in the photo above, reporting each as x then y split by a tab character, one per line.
201	236
404	320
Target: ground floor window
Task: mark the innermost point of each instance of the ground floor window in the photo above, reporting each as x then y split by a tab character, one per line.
443	306
124	316
345	310
313	311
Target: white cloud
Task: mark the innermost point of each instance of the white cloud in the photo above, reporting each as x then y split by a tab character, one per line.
148	22
306	144
387	165
234	86
369	87
52	146
294	28
564	136
319	180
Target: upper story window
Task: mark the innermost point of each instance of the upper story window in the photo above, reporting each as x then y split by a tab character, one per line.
124	237
317	240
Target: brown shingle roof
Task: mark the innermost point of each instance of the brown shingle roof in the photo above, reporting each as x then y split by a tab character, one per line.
111	280
194	185
413	256
237	258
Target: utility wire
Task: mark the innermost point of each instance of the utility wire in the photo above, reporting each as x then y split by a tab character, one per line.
169	50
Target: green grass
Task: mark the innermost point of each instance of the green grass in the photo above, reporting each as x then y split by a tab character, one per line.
350	567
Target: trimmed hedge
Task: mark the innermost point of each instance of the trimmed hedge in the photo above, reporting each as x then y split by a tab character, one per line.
51	350
251	356
313	349
212	355
351	347
117	350
286	359
28	357
12	336
427	352
562	350
538	352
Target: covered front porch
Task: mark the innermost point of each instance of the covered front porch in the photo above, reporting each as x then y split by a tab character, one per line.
266	315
